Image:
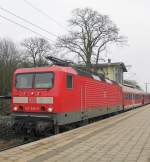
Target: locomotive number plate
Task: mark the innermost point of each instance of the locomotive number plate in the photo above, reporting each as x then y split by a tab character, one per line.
32	99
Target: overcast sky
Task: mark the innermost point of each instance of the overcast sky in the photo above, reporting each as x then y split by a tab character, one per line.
131	16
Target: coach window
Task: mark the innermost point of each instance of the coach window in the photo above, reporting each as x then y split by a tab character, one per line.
69	81
130	96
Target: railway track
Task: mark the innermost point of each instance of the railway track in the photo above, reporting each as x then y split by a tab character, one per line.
8	144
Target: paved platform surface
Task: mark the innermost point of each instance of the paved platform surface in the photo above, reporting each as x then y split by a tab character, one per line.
121	138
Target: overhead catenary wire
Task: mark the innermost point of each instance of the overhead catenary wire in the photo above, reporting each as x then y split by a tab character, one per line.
27	21
23	26
45	14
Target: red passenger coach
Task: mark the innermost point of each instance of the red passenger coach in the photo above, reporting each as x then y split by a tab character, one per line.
132	97
49	97
146	99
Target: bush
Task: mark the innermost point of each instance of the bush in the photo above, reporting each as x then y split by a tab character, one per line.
5	107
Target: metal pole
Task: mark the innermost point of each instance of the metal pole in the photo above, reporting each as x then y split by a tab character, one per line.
146	87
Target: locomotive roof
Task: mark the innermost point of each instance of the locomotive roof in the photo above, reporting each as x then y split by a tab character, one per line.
131	90
68	69
53	68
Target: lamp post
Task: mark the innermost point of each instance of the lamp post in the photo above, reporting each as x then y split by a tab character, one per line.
146	86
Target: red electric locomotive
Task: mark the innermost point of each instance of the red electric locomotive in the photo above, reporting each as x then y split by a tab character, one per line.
48	97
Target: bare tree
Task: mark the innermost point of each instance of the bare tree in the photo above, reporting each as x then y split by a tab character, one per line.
9	60
92	33
8	52
36	48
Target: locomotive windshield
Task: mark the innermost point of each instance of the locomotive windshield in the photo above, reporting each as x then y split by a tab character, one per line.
24	80
43	80
34	80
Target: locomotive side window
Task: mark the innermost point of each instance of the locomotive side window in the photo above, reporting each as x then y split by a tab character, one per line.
69	81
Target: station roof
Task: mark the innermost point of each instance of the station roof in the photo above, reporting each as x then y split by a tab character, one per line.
113	64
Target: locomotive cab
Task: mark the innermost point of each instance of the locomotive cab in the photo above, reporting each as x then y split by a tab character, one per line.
38	96
33	95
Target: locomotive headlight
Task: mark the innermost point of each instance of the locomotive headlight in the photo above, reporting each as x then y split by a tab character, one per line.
50	109
15	108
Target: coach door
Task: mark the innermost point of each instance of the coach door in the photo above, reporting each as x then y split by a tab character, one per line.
133	100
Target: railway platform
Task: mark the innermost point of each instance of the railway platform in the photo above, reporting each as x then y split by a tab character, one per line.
121	138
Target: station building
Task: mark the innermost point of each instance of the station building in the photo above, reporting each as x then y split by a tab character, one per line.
113	71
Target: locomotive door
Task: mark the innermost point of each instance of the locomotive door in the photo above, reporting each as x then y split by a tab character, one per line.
83	102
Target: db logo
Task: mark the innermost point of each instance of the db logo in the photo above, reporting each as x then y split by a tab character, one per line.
32	99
